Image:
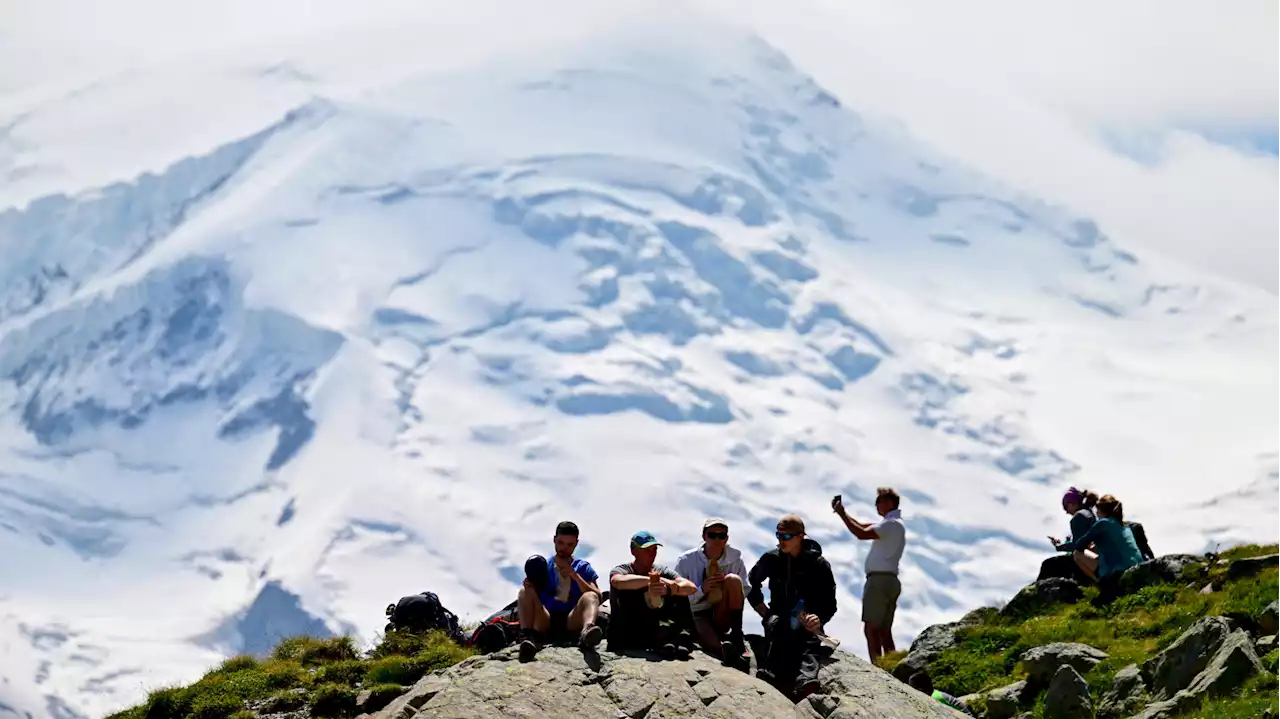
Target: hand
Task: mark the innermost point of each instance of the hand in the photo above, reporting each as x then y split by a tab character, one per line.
812	623
1054	541
837	506
713	582
527	584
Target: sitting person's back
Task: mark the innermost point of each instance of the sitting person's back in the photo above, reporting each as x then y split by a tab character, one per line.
1114	543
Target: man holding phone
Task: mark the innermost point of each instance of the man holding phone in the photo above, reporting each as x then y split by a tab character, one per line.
880	595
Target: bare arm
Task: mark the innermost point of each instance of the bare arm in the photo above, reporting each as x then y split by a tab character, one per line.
628	581
680	587
861	530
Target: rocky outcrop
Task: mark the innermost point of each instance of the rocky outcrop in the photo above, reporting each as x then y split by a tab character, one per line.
1007	701
1250	566
1128	693
1042	663
1166	569
566	682
932	641
1068	696
1174	668
1037	596
1233	663
1269	620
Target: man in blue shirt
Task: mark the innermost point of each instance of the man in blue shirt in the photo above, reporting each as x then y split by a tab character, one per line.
559	596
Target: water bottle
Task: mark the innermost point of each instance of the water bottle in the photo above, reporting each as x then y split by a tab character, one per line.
796	612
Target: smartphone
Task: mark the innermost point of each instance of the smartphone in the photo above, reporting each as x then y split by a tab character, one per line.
836	499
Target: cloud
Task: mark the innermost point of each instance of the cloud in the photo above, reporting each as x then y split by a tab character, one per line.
1156	118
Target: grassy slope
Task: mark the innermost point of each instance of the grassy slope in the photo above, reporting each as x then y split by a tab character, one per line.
1130	630
324	675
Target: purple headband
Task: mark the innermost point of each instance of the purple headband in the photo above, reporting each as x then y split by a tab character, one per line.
1073	495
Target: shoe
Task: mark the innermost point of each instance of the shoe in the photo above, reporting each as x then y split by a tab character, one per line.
528	650
766	676
806	688
590	637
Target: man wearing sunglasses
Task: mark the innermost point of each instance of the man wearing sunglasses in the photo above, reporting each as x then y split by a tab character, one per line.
718	570
802	600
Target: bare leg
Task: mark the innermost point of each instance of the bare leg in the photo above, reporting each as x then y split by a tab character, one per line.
1087	561
886	640
584	612
708	637
873	641
532	614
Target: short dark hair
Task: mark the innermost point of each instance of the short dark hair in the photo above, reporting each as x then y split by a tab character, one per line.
890	494
568	528
921	682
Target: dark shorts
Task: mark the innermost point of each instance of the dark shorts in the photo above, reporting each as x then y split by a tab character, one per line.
559	626
880	600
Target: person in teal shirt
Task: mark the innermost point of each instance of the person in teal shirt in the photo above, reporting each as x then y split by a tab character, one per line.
1111	538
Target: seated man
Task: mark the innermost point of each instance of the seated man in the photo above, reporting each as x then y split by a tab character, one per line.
559	596
802	599
718	570
650	604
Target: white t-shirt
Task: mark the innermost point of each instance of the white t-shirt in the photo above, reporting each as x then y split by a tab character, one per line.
886	551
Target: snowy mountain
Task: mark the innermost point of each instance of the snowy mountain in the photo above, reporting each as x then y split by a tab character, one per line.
320	333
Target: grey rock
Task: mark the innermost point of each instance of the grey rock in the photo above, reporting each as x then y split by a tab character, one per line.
1166	569
1208	589
566	682
1264	645
937	637
1168	708
1005	702
1173	669
1233	663
1269	621
1127	693
1068	696
1250	566
1042	662
918	660
1037	596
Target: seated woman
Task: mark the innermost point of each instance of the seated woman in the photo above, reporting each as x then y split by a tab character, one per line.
1110	537
1079	503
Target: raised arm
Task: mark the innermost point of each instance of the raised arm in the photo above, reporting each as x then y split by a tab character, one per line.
861	530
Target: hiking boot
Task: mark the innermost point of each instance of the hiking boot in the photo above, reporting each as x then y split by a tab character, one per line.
674	651
766	676
590	637
528	650
806	688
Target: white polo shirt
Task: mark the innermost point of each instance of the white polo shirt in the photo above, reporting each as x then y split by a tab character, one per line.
886	552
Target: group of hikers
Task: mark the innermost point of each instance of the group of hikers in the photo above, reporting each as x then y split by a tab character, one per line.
651	607
702	597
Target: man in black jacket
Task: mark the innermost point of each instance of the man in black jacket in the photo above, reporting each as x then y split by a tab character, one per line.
802	599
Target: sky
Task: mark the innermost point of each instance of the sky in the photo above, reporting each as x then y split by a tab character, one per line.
1156	117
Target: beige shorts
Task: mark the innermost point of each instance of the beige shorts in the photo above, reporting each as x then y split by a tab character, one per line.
880	600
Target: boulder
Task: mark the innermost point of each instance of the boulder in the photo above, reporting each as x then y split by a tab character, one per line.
1268	620
1068	696
915	661
1004	703
937	637
1173	669
1035	597
567	682
1250	566
1264	645
1128	693
1042	663
1233	663
1166	569
1168	708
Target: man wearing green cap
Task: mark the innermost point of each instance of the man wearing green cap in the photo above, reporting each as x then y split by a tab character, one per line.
650	603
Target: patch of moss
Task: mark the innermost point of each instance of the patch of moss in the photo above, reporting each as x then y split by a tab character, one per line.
333	700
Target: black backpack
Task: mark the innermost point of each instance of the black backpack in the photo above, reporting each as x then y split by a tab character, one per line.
421	613
497	631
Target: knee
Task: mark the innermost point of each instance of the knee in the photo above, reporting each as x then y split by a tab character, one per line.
590	599
733	581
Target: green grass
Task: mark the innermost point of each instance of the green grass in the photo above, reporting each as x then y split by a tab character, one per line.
1130	630
322	675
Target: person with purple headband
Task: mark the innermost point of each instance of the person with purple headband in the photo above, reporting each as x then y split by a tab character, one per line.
1079	503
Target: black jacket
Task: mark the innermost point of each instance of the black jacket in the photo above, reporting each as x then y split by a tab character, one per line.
807	576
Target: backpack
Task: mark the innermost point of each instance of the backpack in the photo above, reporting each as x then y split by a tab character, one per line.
420	613
497	631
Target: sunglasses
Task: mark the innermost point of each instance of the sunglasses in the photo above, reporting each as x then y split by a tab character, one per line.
784	535
717	535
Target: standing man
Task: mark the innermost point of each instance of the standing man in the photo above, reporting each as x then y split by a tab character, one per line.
650	603
880	595
559	596
802	599
718	571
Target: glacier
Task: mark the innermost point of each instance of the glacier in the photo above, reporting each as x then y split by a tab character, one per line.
383	329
